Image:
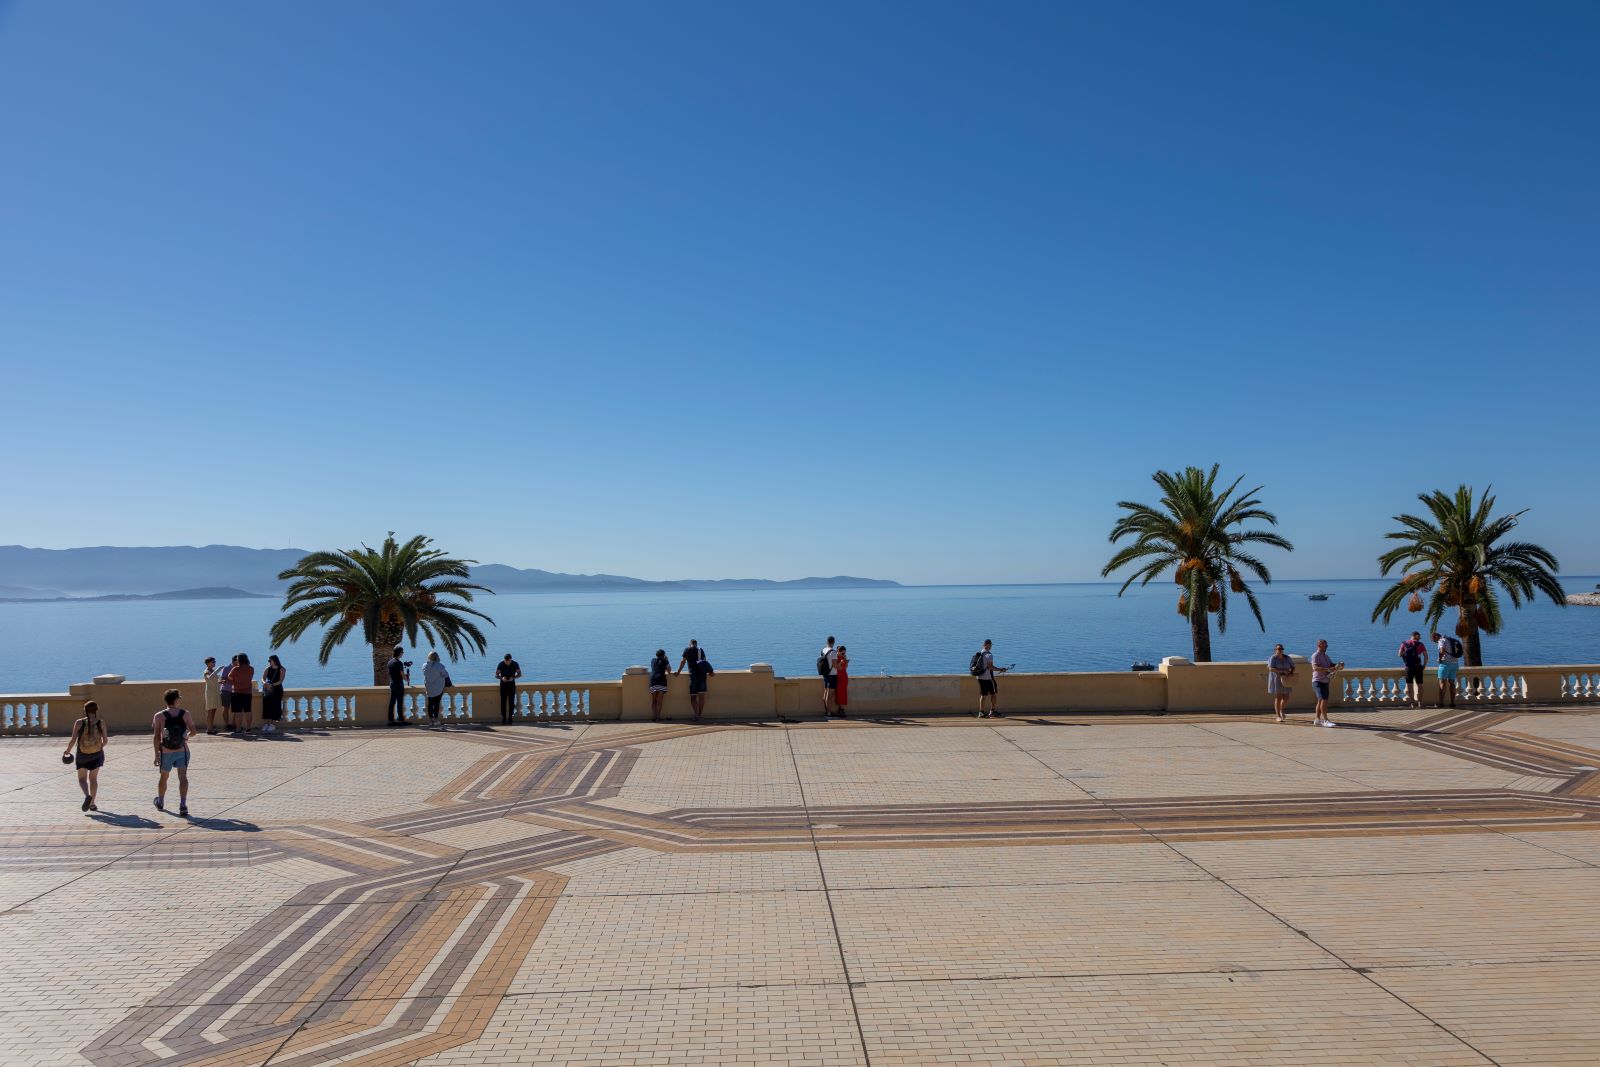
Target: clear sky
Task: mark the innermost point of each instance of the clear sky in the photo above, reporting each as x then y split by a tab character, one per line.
901	290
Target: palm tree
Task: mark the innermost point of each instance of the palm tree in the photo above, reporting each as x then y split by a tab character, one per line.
393	592
1452	556
1196	530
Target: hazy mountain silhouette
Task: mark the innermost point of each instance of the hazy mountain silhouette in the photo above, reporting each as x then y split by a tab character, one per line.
41	573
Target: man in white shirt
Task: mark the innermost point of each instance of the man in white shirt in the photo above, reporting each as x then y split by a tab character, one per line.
988	688
830	678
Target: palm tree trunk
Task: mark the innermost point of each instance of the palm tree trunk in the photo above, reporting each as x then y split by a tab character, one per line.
382	649
1200	632
1474	639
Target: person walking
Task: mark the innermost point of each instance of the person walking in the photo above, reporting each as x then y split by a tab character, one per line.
399	678
700	672
1280	680
171	728
841	688
213	687
1414	655
984	670
1322	668
435	680
225	693
507	671
660	667
1450	653
242	677
89	737
272	695
828	667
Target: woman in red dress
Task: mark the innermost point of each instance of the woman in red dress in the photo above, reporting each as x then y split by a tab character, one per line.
842	694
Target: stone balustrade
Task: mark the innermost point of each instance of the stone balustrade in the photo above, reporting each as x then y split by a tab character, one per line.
1177	686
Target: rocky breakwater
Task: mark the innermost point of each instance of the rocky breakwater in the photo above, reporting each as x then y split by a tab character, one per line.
1591	599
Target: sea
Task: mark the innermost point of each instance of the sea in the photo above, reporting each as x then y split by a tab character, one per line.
44	647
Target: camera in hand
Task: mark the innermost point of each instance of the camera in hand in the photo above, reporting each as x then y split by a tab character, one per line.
406	662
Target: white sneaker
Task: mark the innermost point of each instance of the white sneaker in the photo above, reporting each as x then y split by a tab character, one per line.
1329	723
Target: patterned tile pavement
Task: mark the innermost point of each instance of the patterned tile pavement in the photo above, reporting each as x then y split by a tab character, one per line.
1417	888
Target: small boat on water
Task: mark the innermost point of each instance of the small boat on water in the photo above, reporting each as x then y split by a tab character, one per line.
1318	596
1142	665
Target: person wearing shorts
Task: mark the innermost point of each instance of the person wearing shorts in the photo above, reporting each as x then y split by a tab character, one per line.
700	672
89	736
1449	664
660	667
242	677
171	728
988	686
1280	681
1414	655
1322	668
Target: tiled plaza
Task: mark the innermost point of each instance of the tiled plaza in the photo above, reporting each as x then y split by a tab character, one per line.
1412	888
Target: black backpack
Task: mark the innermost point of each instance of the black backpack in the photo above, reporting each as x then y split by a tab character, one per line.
173	730
1455	646
822	664
975	668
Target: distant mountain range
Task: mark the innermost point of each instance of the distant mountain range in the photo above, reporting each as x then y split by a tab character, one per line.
220	571
208	593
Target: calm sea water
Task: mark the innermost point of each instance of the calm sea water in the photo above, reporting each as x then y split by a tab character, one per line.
915	630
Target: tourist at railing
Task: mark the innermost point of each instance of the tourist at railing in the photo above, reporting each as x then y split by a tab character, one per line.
1322	668
399	678
224	694
660	667
507	671
1450	652
89	736
435	680
1414	655
1280	680
700	672
243	678
171	728
827	666
272	695
841	687
983	669
212	681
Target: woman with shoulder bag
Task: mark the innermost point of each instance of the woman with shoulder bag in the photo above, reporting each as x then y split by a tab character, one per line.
89	735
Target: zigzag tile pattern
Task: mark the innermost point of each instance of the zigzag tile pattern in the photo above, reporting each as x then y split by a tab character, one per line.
402	950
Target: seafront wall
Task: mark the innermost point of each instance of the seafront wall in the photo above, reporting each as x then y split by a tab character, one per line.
757	694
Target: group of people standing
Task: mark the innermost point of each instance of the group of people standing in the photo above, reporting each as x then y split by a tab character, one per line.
1413	656
698	664
230	693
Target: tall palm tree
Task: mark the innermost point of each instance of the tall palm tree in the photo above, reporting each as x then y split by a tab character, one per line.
1197	531
392	592
1452	555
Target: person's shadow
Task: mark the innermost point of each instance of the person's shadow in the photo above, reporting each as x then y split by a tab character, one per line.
230	825
131	822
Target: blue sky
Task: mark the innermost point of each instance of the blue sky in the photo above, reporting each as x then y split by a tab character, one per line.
700	290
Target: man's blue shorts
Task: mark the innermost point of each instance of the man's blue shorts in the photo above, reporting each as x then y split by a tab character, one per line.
171	761
1447	671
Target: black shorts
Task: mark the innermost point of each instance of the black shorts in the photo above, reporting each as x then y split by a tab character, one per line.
830	681
697	684
987	687
91	762
1415	674
240	703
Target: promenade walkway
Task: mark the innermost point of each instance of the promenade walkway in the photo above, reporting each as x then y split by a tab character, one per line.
1413	888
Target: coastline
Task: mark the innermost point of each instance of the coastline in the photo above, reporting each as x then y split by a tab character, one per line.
1587	599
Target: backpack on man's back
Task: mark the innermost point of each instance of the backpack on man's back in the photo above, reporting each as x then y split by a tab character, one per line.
975	668
1454	646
